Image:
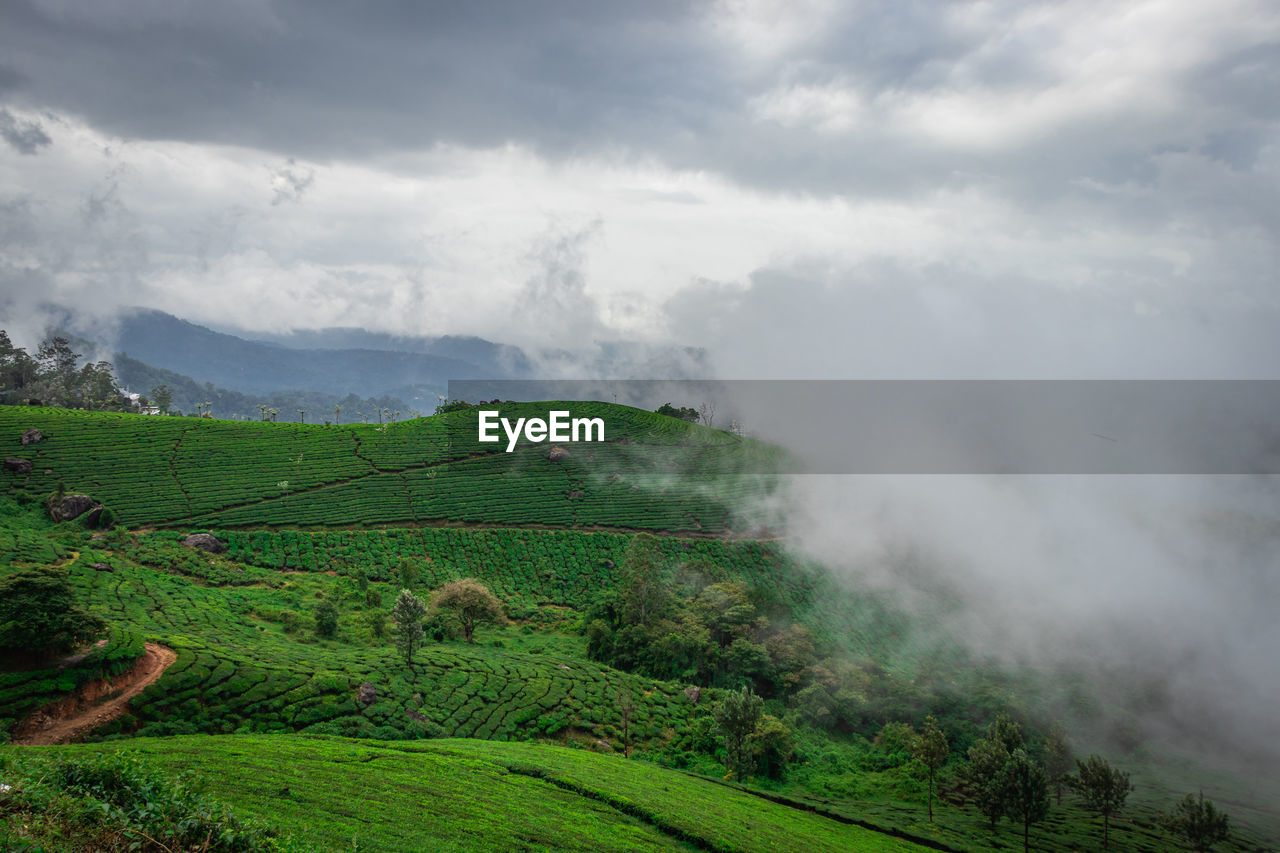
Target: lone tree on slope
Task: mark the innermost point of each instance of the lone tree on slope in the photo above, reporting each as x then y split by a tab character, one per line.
471	604
1199	823
408	613
930	749
1026	793
1104	790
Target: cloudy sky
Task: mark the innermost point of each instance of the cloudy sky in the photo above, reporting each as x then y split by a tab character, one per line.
827	189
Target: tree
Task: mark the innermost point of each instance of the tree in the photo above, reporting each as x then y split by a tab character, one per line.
471	603
1104	790
987	758
642	595
39	614
772	746
1026	792
408	613
931	750
708	413
337	410
737	716
447	406
1057	757
17	370
1198	822
407	571
162	397
684	413
326	619
626	709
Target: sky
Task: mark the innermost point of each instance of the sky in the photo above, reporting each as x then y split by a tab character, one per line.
819	189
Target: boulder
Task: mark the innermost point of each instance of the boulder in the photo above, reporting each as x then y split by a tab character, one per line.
94	514
31	436
17	465
558	454
368	694
101	567
72	506
694	693
205	542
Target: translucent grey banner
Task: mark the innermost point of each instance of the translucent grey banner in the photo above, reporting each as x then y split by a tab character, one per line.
962	427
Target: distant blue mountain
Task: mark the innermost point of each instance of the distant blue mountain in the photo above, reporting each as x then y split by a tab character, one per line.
371	368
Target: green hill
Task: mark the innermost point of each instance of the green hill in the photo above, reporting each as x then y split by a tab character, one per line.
653	472
461	795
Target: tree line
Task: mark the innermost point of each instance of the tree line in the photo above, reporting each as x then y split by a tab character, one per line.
55	377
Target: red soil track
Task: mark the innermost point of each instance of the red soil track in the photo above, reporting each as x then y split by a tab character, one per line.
75	716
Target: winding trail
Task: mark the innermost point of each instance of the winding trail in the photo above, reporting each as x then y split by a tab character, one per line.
75	716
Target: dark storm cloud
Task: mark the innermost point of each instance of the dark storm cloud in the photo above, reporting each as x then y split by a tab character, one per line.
653	79
400	75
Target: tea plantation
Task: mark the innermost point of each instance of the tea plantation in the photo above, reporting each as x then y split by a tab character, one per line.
653	472
533	737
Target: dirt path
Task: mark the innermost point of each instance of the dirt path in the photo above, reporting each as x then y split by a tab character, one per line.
75	716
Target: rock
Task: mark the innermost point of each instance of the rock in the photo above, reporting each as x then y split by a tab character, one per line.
72	506
368	694
101	567
31	436
205	542
93	515
17	465
558	454
605	745
694	693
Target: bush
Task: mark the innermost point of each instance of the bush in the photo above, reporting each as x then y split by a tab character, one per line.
114	802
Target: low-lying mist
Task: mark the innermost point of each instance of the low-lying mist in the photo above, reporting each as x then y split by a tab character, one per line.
1160	590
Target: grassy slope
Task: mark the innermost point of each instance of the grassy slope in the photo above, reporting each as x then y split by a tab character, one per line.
458	795
654	472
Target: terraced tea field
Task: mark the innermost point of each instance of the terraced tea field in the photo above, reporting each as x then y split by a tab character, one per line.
654	472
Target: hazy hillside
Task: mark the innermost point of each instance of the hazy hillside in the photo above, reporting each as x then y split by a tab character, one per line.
242	365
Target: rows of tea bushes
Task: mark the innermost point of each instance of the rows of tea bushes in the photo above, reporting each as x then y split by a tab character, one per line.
654	472
570	568
248	661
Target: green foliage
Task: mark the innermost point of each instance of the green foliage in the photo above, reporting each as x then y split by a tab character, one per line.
1058	757
1103	788
117	802
930	749
39	613
738	716
447	406
326	619
1198	822
54	378
407	614
1025	792
987	760
684	413
471	604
